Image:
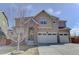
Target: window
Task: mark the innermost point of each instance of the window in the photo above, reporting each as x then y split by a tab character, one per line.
54	22
61	27
54	34
65	34
43	20
44	33
49	34
61	34
39	34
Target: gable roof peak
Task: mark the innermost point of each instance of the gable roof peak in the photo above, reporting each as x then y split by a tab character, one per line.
43	10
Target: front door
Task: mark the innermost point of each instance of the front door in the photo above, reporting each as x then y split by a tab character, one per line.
31	33
31	36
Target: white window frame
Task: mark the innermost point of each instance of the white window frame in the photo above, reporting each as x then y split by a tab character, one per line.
43	20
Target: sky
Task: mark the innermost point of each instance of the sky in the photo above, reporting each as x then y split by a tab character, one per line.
65	11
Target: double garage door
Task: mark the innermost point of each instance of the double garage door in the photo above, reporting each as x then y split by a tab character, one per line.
44	37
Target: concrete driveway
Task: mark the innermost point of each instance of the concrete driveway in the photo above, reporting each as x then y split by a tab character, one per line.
52	49
63	49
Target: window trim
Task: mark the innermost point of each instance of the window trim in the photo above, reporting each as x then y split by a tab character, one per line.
43	20
61	34
65	34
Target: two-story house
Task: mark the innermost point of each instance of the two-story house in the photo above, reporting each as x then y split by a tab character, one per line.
42	28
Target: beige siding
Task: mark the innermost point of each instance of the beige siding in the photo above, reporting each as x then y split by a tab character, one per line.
52	26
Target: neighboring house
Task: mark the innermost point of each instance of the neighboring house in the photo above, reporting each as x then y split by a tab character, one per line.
12	35
42	28
3	29
75	39
3	24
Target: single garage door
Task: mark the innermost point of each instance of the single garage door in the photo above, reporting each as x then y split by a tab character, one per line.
47	38
64	38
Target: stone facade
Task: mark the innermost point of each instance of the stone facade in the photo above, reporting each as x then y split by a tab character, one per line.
42	28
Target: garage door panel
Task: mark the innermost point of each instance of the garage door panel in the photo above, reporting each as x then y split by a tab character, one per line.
42	39
51	38
47	38
64	39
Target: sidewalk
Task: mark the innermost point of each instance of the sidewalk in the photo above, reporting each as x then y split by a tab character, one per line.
6	49
31	51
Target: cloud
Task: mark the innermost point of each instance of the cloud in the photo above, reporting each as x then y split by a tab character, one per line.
53	12
50	10
58	12
75	30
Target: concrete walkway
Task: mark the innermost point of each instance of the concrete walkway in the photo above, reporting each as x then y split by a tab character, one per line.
31	51
6	49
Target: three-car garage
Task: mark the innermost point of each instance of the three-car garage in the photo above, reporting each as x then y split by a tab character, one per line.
51	37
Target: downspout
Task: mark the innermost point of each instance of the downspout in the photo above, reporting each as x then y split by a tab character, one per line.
58	38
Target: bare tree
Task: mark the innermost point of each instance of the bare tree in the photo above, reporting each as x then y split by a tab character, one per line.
18	35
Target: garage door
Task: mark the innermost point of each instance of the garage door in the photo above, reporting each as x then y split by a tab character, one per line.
47	38
64	38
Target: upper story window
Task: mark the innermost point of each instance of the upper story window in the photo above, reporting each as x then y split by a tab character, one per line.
43	20
54	21
62	24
